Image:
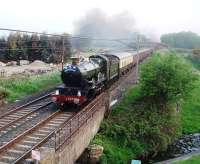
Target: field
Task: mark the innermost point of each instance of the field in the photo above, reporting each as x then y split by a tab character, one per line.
190	113
115	150
17	87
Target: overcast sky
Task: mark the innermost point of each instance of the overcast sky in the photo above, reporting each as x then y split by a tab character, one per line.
57	16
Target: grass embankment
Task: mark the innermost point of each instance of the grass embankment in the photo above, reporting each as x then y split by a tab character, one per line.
132	132
190	113
18	87
115	148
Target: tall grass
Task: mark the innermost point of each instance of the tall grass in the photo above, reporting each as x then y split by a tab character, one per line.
18	87
190	113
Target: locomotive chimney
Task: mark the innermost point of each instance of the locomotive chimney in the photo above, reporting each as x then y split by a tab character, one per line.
75	60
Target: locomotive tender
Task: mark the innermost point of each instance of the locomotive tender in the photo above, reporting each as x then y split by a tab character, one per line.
83	81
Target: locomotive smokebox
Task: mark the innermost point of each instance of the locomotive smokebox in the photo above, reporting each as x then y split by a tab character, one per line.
71	76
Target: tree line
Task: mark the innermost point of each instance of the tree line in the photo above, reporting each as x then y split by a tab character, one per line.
187	40
17	46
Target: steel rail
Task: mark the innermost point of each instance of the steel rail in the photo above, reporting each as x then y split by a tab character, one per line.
47	138
18	138
25	105
24	116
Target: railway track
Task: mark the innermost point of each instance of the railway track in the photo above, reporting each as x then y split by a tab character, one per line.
21	114
20	146
22	118
14	110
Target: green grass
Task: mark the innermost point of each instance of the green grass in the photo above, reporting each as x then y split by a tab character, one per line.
190	113
193	160
115	150
113	153
194	62
18	87
131	95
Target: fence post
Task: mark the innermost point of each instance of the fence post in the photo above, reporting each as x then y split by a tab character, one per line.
55	146
107	103
70	128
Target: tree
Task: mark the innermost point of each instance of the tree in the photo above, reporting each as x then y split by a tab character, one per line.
188	40
12	46
34	47
166	79
3	45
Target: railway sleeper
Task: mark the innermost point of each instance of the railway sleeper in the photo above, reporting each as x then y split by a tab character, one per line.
16	151
56	122
54	125
44	131
21	146
33	137
30	141
7	158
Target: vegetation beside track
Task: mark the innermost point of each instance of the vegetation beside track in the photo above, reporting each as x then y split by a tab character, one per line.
140	125
17	87
190	113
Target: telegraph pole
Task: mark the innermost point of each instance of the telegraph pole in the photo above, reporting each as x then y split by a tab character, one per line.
63	52
137	63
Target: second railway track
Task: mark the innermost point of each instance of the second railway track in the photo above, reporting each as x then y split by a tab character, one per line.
20	146
20	115
21	119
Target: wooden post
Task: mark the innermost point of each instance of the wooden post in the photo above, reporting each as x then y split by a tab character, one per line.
63	52
107	103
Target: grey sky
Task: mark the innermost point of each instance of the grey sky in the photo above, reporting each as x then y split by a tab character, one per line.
156	16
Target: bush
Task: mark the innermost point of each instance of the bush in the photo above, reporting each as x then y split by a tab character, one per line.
166	79
3	93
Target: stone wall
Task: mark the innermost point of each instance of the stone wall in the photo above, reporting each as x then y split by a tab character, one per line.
79	142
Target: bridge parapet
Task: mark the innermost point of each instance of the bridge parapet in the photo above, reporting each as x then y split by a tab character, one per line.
67	131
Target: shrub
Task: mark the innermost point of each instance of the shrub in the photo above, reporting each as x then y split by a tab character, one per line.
166	79
3	93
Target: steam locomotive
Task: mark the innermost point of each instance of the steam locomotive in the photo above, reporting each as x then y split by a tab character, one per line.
82	81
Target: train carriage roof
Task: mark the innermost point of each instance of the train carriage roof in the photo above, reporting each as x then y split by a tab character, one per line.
122	55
